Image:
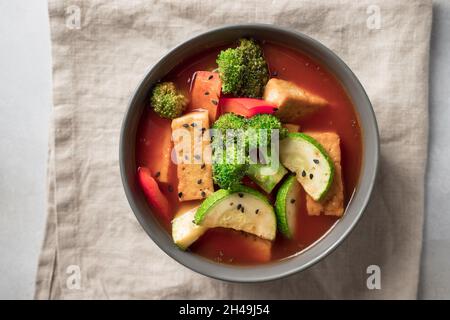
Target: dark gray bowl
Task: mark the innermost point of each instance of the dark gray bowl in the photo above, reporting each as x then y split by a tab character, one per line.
354	209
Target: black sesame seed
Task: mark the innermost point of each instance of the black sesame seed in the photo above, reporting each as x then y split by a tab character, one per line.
186	125
210	77
203	130
157	174
257	211
303	173
203	166
311	176
231	203
292	200
316	161
274	74
239	206
180	194
186	157
197	157
203	194
241	195
242	209
193	124
170	188
199	181
214	102
206	93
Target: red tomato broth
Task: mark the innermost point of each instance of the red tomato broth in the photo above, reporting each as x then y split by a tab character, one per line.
225	245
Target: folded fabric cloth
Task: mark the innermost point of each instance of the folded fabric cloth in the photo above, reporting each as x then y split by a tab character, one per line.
94	246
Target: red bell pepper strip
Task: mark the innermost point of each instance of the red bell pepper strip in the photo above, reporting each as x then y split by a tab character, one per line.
246	107
154	196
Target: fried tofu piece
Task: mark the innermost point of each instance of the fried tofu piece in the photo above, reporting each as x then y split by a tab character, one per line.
205	93
292	128
292	101
193	155
333	205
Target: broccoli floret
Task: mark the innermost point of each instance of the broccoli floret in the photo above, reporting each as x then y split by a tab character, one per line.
243	70
228	176
231	70
230	121
166	101
269	123
228	170
228	167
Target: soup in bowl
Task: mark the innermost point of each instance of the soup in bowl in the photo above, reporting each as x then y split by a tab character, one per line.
249	152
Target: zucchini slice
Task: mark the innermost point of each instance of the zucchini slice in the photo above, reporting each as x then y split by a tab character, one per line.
313	166
242	209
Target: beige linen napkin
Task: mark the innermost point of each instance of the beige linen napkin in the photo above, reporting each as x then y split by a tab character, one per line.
94	246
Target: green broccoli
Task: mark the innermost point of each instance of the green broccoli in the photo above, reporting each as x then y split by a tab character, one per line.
228	169
269	123
243	70
166	101
227	175
229	121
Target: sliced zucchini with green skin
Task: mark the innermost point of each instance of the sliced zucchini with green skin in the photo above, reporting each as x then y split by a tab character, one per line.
261	175
242	209
286	206
313	166
185	231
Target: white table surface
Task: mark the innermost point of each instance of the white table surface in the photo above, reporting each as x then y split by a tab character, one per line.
25	104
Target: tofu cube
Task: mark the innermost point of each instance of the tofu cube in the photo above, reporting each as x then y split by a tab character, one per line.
205	93
333	204
193	155
292	101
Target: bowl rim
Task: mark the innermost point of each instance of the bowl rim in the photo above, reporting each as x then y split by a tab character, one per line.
246	274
